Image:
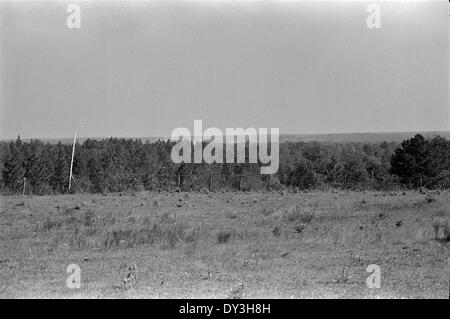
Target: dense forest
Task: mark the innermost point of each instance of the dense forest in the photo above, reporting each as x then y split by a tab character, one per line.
118	164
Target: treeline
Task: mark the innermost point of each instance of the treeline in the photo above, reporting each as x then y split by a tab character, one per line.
114	165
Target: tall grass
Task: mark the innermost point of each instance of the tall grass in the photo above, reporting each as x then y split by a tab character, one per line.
84	230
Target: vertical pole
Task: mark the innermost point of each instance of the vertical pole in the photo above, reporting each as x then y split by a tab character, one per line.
71	162
24	182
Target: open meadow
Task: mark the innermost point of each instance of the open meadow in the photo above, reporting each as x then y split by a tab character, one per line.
224	245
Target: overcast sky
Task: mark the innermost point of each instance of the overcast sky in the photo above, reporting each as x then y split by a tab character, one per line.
143	69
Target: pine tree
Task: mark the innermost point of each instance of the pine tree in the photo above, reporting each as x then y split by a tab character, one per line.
60	176
14	171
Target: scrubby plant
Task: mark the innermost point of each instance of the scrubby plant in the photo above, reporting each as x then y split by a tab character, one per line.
223	236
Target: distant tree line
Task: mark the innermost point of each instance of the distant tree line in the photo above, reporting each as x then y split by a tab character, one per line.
118	164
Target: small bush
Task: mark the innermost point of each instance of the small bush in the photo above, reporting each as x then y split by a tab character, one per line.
299	228
223	236
276	231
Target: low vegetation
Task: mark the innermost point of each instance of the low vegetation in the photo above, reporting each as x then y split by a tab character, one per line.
275	245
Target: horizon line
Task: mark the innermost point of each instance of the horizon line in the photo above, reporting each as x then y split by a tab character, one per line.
167	137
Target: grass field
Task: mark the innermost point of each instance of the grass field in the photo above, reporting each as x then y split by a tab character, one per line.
191	245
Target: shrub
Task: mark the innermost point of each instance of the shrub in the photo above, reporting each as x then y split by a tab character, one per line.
223	236
276	231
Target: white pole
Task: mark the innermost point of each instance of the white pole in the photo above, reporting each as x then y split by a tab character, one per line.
71	162
24	182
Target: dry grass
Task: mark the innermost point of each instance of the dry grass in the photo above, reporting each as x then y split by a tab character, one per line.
279	246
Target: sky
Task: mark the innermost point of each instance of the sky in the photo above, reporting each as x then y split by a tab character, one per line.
139	69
